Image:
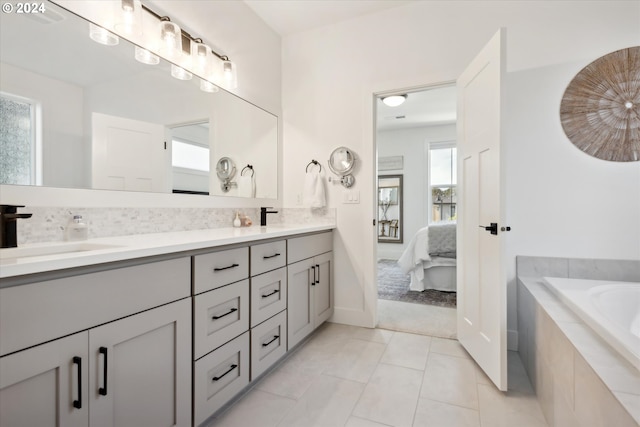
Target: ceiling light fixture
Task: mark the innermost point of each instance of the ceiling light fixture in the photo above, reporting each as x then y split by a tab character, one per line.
128	14
394	100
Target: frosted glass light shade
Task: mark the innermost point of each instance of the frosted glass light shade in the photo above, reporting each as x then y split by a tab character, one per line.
207	86
201	58
230	74
102	36
180	73
128	16
394	100
170	39
146	57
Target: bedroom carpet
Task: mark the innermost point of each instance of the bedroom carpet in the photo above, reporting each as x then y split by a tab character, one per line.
417	319
393	285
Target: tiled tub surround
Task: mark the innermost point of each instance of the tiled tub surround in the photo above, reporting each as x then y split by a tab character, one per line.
48	223
579	379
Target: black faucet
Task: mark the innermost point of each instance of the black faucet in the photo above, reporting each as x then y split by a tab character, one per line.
8	231
263	216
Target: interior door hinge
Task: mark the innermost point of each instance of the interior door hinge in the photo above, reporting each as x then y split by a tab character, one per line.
374	222
165	145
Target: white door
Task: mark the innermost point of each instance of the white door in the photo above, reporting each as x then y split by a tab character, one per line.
482	294
128	155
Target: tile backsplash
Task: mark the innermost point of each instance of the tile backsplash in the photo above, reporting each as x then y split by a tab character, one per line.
48	224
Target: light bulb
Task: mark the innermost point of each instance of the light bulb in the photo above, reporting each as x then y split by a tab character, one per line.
128	16
171	39
201	57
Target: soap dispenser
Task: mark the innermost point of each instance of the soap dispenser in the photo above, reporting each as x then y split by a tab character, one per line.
237	222
77	229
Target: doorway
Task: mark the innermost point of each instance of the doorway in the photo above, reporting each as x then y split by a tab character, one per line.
415	145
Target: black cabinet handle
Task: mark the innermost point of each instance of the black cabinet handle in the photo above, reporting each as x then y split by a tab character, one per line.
318	269
270	256
231	368
275	291
226	268
78	403
313	281
233	310
103	390
275	337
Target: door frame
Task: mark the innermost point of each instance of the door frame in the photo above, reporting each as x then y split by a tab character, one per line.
371	292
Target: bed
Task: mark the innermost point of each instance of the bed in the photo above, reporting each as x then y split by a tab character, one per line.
430	258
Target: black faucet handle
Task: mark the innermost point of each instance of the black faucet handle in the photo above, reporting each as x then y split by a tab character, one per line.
10	208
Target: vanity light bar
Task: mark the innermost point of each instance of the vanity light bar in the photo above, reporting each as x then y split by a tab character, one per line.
184	33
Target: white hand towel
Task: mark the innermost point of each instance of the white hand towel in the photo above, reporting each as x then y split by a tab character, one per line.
245	186
313	195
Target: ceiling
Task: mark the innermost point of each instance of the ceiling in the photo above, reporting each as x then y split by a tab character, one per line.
429	107
423	108
288	16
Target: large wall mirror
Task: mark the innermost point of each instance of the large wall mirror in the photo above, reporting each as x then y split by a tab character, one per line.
390	224
77	114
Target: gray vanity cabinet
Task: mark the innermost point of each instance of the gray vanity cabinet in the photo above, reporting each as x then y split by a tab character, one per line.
310	285
107	372
39	386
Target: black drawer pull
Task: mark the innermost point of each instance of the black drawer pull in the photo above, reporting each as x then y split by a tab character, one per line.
233	310
275	291
231	368
275	337
270	256
103	390
226	268
78	403
313	281
318	268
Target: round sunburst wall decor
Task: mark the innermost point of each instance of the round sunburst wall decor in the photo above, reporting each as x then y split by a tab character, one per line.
600	110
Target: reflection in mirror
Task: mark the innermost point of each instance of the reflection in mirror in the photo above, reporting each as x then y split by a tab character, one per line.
390	223
82	115
190	158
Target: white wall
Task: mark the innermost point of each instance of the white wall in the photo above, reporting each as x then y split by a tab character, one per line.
61	106
410	143
431	42
231	28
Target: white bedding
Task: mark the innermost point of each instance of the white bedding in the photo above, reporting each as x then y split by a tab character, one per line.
422	254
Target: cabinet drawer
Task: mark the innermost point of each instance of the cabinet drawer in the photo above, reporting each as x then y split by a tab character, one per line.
268	295
219	316
268	343
217	269
304	247
219	376
268	256
38	312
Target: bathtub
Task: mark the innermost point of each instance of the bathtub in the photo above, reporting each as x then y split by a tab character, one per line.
610	308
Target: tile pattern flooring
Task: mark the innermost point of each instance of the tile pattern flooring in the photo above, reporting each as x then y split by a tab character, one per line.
357	377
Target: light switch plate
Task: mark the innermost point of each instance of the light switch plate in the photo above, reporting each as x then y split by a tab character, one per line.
351	196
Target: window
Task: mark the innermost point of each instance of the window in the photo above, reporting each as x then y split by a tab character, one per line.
442	182
20	160
189	156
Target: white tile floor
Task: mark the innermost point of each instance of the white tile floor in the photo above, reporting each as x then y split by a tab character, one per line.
358	377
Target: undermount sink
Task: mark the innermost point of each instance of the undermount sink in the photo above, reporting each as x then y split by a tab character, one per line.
52	249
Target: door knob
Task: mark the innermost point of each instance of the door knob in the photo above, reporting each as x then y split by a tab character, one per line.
493	227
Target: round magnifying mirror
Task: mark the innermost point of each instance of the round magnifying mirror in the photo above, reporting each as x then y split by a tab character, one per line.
225	168
341	161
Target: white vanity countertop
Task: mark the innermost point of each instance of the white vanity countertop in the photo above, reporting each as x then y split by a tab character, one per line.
121	248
